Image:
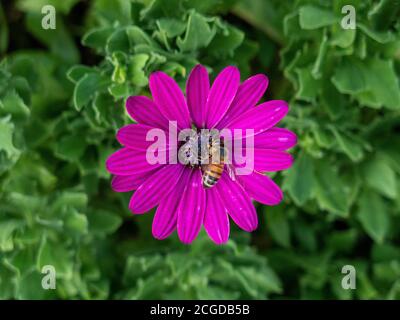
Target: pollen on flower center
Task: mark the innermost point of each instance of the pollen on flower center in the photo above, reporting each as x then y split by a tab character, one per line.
201	148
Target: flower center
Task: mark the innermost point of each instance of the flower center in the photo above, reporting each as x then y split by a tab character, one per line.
201	148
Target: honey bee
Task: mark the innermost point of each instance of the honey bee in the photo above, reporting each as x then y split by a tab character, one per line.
207	152
212	172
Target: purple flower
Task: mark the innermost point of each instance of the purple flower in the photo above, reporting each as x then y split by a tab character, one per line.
184	203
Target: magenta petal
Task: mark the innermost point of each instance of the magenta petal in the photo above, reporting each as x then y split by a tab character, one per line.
275	138
197	88
125	162
143	110
268	160
238	203
169	98
134	136
221	95
191	209
261	188
165	218
157	186
129	183
216	221
260	118
247	96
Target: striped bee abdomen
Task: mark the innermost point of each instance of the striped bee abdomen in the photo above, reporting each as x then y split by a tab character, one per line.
212	172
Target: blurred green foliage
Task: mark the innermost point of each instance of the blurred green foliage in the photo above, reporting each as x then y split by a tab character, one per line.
62	98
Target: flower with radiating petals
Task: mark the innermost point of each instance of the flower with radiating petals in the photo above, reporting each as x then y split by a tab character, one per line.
183	202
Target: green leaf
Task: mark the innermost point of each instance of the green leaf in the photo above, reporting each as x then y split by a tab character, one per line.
77	200
23	203
31	170
309	87
7	229
114	11
385	252
6	139
312	17
118	41
348	145
161	9
71	147
299	180
198	33
56	255
323	137
319	62
136	69
349	77
120	90
174	69
76	222
380	176
267	281
136	37
393	156
77	72
97	38
343	241
278	225
226	42
104	222
381	37
330	191
383	83
171	27
373	216
13	104
374	82
332	100
342	38
118	59
305	236
86	87
30	288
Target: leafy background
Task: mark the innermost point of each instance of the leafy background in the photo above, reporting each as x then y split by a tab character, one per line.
61	100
